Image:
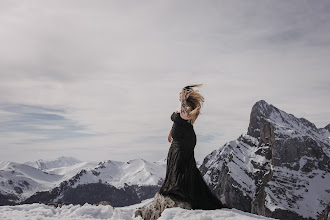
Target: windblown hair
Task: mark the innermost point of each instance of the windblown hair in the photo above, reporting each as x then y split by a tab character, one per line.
194	101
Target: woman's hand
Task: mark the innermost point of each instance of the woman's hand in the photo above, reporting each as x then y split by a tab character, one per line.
185	94
169	137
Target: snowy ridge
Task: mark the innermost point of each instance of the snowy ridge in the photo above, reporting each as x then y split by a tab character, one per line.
23	180
238	157
57	163
117	173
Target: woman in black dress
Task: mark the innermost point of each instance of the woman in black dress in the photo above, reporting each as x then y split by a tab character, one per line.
183	179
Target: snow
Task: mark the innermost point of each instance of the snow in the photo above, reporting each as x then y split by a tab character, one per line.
44	175
57	163
303	160
291	127
228	214
88	212
313	189
28	178
117	173
67	167
239	166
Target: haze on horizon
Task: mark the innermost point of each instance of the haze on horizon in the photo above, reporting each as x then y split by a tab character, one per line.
99	81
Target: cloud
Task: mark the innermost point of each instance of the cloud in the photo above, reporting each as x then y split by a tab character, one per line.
29	124
102	79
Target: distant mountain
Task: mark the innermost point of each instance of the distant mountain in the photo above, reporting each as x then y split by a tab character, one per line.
117	173
65	166
19	181
58	178
120	183
280	168
51	164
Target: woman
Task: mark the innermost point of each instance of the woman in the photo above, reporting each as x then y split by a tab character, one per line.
183	180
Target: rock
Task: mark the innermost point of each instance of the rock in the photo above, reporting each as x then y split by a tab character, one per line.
325	214
103	203
55	204
158	205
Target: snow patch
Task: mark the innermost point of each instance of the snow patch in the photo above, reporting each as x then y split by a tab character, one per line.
88	212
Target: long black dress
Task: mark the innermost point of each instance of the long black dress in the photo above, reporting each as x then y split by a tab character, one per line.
183	180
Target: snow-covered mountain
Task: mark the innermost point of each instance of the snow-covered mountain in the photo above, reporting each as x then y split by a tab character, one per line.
279	168
19	181
118	173
23	182
65	166
118	182
57	163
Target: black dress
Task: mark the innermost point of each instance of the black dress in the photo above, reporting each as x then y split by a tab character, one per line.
183	179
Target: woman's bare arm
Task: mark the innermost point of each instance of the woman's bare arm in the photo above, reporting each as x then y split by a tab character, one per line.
169	138
184	112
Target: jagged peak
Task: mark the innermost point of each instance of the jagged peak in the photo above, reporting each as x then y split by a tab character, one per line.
261	110
261	103
327	127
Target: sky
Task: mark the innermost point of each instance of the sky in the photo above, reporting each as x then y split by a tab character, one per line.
99	80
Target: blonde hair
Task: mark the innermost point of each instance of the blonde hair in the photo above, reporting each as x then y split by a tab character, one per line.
194	101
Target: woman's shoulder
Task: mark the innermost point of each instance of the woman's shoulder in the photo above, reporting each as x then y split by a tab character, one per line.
177	117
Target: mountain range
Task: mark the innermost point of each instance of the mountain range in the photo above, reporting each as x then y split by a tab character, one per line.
278	168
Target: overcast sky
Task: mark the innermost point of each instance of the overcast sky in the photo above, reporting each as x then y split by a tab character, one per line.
99	80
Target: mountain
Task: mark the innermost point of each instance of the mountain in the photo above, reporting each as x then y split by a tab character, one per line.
19	181
50	180
65	166
51	164
279	168
118	173
120	183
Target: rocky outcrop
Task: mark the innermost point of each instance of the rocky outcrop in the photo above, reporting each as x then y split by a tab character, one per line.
265	173
279	168
158	205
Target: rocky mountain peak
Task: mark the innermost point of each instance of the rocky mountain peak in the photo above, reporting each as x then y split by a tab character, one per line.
260	109
327	127
275	168
286	124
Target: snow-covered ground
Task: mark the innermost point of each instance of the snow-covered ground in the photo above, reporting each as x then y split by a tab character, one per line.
87	211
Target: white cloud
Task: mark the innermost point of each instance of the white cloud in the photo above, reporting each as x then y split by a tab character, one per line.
115	69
